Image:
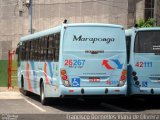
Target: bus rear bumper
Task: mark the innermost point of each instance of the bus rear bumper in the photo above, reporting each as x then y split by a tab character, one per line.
93	90
147	91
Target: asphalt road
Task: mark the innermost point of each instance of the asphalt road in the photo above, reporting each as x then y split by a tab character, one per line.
29	107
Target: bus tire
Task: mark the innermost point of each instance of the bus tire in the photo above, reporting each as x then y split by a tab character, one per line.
43	99
23	91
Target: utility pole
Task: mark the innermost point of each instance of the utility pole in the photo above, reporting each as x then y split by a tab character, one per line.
30	16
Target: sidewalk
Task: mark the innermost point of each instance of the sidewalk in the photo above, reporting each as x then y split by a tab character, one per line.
13	93
3	89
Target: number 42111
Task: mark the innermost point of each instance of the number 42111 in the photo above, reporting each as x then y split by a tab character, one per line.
144	64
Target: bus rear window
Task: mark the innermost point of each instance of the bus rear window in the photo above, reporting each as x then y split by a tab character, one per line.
94	38
147	42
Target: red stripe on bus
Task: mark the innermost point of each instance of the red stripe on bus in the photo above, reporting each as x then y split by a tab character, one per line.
45	73
27	77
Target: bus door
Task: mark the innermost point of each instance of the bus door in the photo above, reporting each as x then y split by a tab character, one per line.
146	69
94	56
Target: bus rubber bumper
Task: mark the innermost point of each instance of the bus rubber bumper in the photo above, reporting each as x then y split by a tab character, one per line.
93	90
146	91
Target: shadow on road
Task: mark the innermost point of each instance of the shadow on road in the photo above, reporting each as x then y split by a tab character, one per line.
116	104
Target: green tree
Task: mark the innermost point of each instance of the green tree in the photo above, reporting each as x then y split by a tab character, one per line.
148	23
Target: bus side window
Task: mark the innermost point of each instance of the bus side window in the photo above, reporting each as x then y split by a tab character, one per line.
45	48
37	49
41	48
128	46
50	54
31	50
23	57
56	46
27	50
53	47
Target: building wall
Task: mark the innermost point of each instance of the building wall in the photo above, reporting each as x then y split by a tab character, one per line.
140	5
157	12
50	13
132	12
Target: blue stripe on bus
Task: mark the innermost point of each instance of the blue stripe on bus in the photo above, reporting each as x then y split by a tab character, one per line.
50	69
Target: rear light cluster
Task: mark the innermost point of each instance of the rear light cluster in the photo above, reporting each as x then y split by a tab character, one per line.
135	78
123	78
64	78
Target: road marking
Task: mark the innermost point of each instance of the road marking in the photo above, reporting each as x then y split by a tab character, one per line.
114	107
41	109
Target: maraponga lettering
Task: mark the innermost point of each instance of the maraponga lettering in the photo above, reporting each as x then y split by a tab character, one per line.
93	40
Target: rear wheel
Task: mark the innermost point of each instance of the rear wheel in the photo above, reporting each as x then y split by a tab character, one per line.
42	95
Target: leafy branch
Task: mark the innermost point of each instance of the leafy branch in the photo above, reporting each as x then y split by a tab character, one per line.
148	23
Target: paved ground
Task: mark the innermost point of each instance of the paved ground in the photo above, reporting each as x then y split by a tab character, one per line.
14	103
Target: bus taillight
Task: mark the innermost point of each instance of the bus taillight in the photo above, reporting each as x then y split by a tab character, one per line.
63	72
123	78
124	72
65	78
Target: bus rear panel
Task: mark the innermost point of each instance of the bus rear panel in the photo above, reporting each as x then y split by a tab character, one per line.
144	72
93	61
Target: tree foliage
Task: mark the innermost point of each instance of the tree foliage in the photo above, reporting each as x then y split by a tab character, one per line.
148	23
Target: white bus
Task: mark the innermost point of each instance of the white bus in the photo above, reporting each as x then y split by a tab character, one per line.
82	59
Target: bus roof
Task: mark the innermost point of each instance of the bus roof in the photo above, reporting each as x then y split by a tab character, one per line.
128	32
94	24
41	33
58	29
